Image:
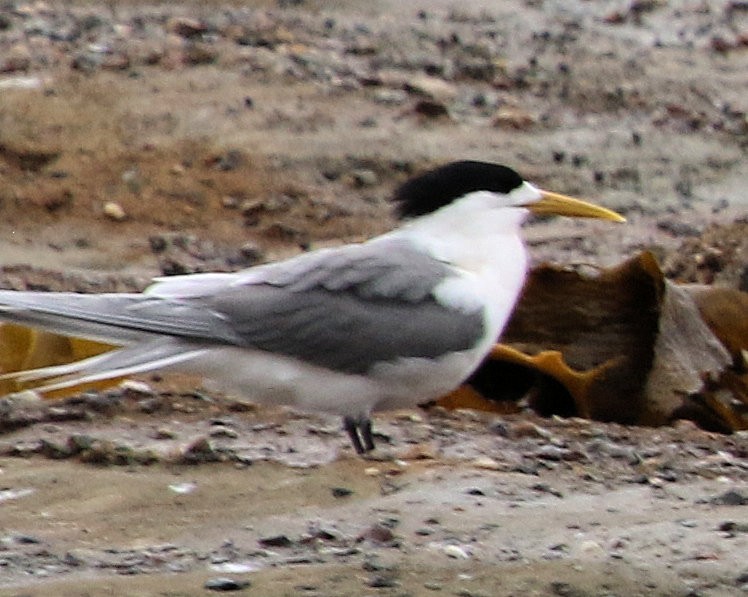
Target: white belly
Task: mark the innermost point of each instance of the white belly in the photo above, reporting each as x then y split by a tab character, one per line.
277	380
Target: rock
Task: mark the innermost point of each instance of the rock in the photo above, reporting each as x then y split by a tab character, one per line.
185	27
732	497
221	431
364	178
430	109
276	541
251	253
200	451
486	463
513	118
17	58
377	533
432	88
114	211
382	581
164	433
456	552
226	584
183	488
199	53
391	97
341	492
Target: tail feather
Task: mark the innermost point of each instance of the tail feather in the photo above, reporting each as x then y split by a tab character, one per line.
96	317
157	354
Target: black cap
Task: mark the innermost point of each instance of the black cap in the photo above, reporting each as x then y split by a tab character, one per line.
439	187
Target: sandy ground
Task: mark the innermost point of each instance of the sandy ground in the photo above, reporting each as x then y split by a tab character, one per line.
138	138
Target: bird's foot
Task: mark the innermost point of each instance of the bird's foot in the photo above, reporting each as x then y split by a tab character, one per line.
379	454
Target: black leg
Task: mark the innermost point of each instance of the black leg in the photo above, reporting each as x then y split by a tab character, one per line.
365	427
359	429
351	426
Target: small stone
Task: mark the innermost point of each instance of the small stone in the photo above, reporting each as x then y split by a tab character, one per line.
200	451
529	429
183	488
382	582
17	58
226	432
592	549
114	211
230	202
431	109
276	541
456	552
136	387
364	178
377	533
730	526
432	88
513	118
164	433
341	492
55	450
26	539
185	27
149	405
730	498
226	584
392	97
251	252
545	488
486	463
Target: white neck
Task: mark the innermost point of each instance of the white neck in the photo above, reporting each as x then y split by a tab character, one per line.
474	233
480	236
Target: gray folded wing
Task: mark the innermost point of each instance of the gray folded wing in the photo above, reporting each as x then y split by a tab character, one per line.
349	309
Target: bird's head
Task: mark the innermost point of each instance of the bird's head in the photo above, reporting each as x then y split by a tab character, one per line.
497	184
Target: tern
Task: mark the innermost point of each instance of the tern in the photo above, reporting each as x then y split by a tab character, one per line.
389	323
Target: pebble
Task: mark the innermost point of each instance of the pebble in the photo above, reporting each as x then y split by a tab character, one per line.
276	541
486	463
137	387
221	431
513	118
200	451
226	584
341	492
592	549
183	488
364	178
185	27
164	433
377	533
731	497
456	552
114	211
432	88
382	582
17	58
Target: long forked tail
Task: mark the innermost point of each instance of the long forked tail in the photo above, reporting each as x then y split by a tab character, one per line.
160	353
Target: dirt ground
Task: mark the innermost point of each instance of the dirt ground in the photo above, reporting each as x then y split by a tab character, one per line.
140	138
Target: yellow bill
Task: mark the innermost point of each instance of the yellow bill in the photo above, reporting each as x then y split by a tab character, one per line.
561	205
